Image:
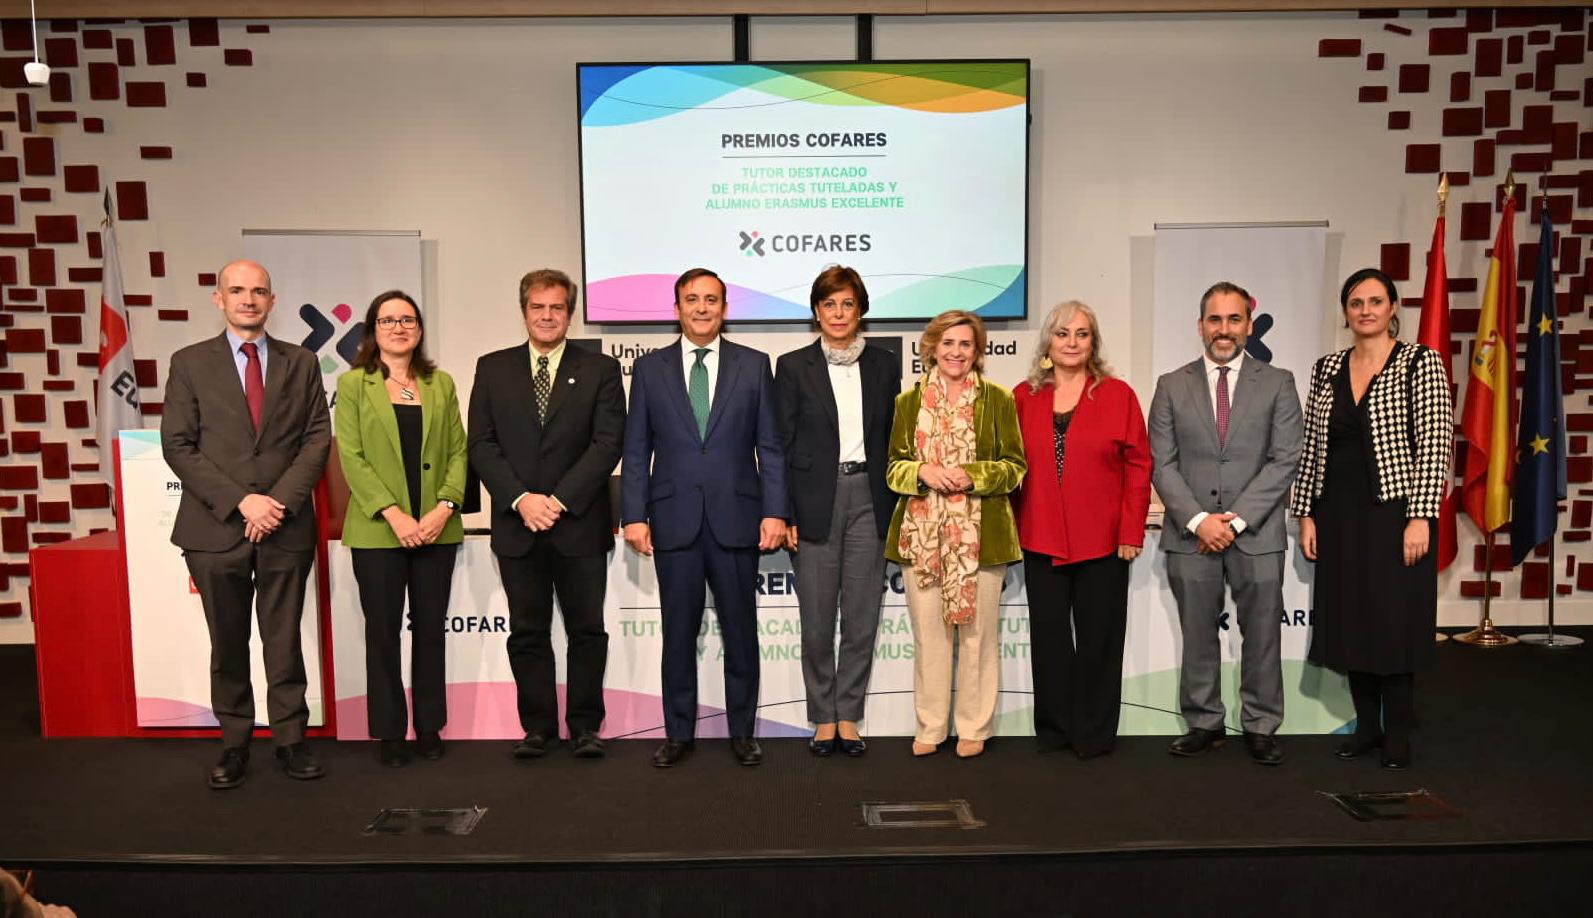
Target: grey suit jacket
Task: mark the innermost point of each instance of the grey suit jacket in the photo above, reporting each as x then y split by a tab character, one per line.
1249	476
211	446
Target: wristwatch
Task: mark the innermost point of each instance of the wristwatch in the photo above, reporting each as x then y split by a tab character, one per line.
449	504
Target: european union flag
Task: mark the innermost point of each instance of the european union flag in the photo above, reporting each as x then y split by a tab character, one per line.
1540	446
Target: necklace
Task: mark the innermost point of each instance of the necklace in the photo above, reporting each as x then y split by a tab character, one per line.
405	390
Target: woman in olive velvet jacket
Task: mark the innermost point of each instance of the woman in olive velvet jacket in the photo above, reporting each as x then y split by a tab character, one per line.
402	446
956	453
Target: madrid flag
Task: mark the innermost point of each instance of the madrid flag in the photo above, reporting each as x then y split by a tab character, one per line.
1435	334
1490	393
116	394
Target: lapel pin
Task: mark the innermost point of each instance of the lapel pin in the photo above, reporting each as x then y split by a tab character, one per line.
571	380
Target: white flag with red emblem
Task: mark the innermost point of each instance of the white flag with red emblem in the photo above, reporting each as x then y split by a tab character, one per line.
116	394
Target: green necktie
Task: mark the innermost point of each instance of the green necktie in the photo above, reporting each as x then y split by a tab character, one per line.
698	391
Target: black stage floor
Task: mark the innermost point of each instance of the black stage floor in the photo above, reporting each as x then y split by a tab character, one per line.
1506	739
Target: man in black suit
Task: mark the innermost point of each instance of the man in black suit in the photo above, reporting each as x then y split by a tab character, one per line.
246	430
546	424
704	484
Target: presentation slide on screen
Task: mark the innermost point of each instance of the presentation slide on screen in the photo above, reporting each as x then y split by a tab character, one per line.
913	173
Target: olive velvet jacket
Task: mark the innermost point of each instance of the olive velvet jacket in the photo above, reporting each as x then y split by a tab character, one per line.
368	446
997	470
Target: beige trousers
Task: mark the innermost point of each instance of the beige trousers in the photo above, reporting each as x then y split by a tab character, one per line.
977	650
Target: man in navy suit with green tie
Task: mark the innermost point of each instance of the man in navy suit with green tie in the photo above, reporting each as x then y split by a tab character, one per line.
703	491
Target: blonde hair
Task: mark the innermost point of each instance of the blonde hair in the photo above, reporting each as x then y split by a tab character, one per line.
945	322
1060	316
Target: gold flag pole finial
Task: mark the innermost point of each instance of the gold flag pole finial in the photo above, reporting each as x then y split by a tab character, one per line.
1510	183
1443	192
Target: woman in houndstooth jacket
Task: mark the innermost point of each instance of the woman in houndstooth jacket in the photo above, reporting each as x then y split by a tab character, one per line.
1378	440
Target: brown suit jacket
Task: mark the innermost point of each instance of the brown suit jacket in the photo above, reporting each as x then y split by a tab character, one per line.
208	441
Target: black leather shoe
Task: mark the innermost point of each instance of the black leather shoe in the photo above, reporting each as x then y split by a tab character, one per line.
587	745
429	746
533	746
1396	754
1197	741
852	747
1263	749
394	753
231	768
746	750
670	754
299	762
1357	745
822	748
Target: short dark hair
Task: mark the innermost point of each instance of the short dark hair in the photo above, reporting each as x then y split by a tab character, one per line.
836	278
1226	287
548	277
693	274
369	356
1360	277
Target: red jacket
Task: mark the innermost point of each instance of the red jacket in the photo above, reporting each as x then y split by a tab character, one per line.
1105	489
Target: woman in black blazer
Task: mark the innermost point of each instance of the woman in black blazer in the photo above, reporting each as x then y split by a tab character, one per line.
836	398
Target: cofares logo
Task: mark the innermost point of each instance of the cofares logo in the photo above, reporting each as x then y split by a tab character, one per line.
322	330
1260	324
752	243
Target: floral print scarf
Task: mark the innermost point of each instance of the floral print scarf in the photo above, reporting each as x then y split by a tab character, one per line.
940	532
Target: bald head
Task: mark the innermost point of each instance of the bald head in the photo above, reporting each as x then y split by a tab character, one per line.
243	294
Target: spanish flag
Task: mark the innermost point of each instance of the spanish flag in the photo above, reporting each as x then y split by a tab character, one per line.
1487	422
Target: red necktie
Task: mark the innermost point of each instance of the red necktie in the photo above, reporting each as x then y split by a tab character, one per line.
1222	407
254	382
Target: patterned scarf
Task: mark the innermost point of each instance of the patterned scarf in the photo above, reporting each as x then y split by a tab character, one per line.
846	356
940	532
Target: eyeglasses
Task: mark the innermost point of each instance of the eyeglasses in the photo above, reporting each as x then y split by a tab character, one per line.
390	322
840	306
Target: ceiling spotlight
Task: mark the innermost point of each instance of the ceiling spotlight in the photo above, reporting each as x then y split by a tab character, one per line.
37	73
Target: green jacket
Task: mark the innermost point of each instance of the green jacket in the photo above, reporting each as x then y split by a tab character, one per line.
367	444
996	471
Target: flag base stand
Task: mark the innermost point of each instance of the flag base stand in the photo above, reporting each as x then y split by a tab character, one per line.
1486	635
1550	640
1440	637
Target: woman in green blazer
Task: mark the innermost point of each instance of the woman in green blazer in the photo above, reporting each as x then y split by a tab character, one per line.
956	453
402	445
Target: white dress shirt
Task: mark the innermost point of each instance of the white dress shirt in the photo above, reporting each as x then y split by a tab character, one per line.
846	382
1233	366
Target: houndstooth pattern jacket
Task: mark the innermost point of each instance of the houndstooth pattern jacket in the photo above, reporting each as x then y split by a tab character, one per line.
1411	412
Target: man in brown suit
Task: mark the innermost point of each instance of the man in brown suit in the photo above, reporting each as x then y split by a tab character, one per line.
245	427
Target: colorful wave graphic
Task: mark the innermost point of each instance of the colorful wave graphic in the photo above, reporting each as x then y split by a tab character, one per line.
489	710
993	291
613	95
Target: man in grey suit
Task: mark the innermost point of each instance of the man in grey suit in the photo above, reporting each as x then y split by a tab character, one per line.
1225	436
245	427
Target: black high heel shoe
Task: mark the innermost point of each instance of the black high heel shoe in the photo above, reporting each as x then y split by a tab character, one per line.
822	748
1358	744
852	747
1396	754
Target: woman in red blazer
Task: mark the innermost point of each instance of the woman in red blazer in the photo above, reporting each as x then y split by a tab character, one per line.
1081	520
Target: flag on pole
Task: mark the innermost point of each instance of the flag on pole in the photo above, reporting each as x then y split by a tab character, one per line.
1434	333
1540	445
116	393
1490	394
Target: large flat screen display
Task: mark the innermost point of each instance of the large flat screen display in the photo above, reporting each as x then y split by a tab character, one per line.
915	173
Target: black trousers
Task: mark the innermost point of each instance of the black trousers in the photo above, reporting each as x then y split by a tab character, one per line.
269	582
1078	614
385	577
1385	704
530	583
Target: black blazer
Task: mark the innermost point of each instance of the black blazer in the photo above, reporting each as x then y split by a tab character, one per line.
812	434
570	457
